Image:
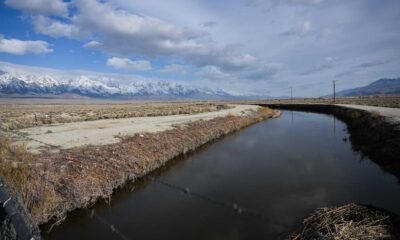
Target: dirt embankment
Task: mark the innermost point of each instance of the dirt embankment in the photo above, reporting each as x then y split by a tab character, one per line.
392	115
51	184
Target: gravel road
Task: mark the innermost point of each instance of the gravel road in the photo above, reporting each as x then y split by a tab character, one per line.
102	132
392	114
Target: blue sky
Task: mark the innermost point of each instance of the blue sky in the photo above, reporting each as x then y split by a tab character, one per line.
243	46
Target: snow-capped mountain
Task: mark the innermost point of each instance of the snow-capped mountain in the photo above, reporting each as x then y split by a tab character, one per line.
101	86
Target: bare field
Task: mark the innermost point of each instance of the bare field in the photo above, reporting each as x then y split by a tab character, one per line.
108	131
378	101
23	113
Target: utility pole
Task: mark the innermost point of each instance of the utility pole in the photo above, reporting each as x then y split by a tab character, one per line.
334	91
291	94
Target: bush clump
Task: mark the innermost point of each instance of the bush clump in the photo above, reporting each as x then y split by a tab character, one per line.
352	221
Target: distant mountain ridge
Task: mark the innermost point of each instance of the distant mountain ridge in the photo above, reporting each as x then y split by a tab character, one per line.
101	87
384	86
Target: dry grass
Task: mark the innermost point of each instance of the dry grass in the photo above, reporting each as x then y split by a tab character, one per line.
23	115
352	221
379	101
23	173
15	162
55	183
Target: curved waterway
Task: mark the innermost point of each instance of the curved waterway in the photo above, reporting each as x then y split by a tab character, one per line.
273	174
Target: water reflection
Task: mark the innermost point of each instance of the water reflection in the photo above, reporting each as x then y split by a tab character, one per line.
334	125
282	168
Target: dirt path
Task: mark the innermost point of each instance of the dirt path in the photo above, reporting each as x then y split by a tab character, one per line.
392	114
102	132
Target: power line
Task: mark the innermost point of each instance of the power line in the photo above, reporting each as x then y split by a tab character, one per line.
101	220
239	210
112	227
236	208
325	83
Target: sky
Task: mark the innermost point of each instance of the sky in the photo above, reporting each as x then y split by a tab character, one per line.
261	47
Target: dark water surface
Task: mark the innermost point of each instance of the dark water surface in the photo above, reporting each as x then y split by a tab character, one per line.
281	169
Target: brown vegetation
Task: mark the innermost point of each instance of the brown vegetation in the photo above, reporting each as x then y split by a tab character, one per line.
54	183
378	101
22	115
352	221
23	172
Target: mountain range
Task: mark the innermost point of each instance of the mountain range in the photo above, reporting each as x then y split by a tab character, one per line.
27	83
13	83
384	86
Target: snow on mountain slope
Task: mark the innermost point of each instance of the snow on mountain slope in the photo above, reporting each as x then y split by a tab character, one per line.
12	82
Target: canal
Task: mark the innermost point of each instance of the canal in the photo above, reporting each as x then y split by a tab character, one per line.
258	183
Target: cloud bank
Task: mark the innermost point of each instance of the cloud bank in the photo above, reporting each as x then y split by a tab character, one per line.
128	65
127	35
47	7
243	46
21	47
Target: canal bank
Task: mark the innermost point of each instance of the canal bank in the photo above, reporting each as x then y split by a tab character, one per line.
273	143
53	184
281	169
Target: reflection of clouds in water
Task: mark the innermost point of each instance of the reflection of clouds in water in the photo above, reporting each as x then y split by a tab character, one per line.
288	207
248	142
318	197
328	159
309	166
299	113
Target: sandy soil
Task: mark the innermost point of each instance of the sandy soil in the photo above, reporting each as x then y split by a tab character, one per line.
392	114
102	132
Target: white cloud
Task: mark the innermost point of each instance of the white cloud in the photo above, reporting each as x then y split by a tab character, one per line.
139	30
307	1
209	24
47	7
128	65
276	2
212	72
20	47
264	72
121	33
174	68
68	74
328	63
302	30
126	33
92	44
48	26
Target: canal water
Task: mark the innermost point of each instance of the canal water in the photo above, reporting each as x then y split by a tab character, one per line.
279	170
